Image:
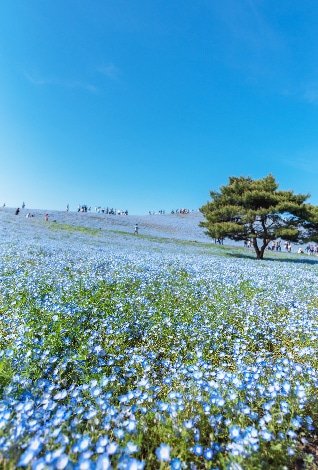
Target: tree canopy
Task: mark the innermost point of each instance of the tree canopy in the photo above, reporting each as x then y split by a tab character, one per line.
256	210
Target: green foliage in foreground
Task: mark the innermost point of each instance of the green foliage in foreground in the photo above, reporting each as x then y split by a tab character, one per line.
191	332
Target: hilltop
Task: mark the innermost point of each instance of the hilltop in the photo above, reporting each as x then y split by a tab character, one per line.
174	226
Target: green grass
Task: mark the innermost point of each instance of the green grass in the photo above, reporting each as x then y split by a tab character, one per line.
55	226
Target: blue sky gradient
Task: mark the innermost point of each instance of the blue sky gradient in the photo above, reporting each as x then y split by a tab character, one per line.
145	105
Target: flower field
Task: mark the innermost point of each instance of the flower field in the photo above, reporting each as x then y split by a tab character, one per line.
132	352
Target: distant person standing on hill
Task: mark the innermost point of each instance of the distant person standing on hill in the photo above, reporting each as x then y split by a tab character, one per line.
46	217
136	229
23	205
17	211
67	207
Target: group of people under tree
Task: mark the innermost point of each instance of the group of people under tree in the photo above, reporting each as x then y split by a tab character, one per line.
310	249
275	245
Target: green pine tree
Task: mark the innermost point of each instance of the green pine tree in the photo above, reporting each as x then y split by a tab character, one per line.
256	210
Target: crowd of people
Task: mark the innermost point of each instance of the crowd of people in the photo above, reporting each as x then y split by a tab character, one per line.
174	211
181	211
112	211
160	212
274	246
99	210
310	249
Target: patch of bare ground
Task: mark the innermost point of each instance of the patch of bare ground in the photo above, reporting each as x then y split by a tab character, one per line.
308	455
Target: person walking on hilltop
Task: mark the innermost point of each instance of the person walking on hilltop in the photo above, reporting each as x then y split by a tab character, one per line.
136	229
17	211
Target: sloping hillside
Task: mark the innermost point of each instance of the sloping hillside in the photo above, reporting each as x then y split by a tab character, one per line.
175	226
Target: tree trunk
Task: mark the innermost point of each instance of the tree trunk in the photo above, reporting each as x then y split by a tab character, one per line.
262	251
259	251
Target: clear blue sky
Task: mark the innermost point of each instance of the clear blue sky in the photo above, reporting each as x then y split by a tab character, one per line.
147	105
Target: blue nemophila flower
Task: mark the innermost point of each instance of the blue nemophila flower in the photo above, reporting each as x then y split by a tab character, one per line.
103	462
266	435
232	396
286	387
102	441
291	434
309	422
267	418
253	415
91	413
131	448
26	458
35	445
119	433
219	401
163	406
61	462
268	405
128	463
234	432
39	464
300	391
60	395
234	466
123	399
131	426
85	464
84	443
95	391
175	464
197	449
188	424
112	448
284	407
163	452
51	456
245	410
237	449
208	454
196	434
206	408
296	422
